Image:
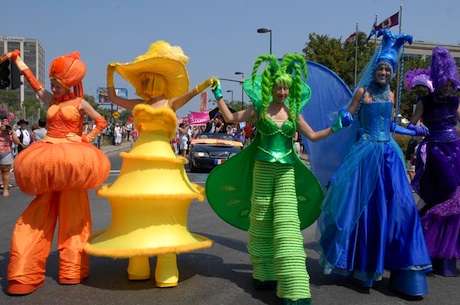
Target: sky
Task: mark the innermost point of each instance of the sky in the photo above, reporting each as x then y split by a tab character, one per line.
219	37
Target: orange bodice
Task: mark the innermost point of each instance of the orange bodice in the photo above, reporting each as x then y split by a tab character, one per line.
62	118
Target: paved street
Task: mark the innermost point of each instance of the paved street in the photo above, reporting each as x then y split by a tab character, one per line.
218	275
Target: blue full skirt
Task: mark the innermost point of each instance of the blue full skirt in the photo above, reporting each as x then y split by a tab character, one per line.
369	219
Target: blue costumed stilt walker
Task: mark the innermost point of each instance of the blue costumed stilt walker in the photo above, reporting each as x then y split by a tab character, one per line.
369	220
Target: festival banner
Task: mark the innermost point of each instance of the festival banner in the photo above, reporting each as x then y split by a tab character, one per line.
182	119
198	118
102	95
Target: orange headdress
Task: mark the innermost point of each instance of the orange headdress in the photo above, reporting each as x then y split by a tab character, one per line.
69	71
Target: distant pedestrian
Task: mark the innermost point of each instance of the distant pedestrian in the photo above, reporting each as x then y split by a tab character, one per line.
40	132
23	135
7	138
118	134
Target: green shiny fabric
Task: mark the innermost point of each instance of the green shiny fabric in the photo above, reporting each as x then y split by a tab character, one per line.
229	189
275	142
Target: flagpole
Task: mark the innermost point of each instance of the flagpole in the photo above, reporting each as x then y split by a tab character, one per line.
356	53
375	37
399	71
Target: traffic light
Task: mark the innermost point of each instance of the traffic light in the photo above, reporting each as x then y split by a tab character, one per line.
15	76
5	74
9	75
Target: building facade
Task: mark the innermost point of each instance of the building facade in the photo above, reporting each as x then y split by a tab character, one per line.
423	49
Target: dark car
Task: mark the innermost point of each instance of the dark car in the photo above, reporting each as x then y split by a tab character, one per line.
208	150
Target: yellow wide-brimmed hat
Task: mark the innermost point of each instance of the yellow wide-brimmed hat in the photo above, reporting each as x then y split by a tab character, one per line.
161	59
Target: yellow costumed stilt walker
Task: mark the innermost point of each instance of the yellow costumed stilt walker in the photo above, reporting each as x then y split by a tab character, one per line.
151	196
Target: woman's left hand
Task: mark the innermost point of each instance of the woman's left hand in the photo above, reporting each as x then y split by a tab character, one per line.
71	136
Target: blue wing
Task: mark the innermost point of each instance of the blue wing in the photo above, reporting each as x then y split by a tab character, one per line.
329	95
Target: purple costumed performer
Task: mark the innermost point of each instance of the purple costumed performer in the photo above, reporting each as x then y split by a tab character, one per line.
437	173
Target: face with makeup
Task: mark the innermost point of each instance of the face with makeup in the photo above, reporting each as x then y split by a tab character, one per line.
280	92
382	74
447	88
57	89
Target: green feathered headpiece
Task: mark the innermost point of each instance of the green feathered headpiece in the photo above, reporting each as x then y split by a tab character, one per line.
288	70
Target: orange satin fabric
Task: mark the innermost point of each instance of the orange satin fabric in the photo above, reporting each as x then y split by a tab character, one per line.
33	237
59	172
57	163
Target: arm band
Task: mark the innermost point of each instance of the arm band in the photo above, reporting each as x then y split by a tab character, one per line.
32	80
101	123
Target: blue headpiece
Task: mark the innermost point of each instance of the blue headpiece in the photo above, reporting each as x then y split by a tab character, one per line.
390	47
388	53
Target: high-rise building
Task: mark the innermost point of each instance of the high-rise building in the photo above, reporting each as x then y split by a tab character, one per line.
33	54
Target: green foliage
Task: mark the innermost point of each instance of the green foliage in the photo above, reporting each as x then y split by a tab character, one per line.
125	115
91	100
402	141
33	106
237	105
338	56
10	100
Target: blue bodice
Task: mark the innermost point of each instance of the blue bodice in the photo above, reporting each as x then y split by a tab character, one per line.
375	119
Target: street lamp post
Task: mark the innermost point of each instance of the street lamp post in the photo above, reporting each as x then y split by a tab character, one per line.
231	91
263	31
242	91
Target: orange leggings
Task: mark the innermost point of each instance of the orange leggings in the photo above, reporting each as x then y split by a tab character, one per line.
34	231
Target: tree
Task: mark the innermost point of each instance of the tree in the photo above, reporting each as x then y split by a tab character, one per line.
10	100
34	106
339	56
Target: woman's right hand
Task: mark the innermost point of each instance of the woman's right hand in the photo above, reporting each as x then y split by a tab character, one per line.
110	71
216	89
111	67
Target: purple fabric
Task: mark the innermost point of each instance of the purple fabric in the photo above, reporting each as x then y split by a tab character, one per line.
437	177
441	225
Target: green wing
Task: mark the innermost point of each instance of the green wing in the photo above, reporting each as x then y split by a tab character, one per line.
229	189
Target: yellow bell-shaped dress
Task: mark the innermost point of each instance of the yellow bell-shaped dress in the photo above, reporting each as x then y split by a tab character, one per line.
150	201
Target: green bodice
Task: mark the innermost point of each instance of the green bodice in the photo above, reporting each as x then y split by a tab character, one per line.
275	142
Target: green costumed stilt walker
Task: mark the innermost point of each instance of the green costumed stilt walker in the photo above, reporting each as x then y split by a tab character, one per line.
266	189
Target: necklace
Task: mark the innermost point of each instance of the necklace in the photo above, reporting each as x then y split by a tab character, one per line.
66	97
379	92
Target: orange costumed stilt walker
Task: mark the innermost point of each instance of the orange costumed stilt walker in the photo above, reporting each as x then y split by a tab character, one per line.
58	170
151	196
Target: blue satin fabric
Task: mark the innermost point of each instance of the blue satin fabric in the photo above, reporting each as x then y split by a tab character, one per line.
369	220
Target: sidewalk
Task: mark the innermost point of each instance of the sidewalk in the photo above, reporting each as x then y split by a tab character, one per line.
125	146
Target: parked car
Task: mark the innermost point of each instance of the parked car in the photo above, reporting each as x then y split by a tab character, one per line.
208	150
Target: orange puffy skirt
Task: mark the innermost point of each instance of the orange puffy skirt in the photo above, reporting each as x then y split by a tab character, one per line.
52	167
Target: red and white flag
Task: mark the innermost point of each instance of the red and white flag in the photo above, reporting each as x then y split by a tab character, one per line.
203	103
351	38
388	23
